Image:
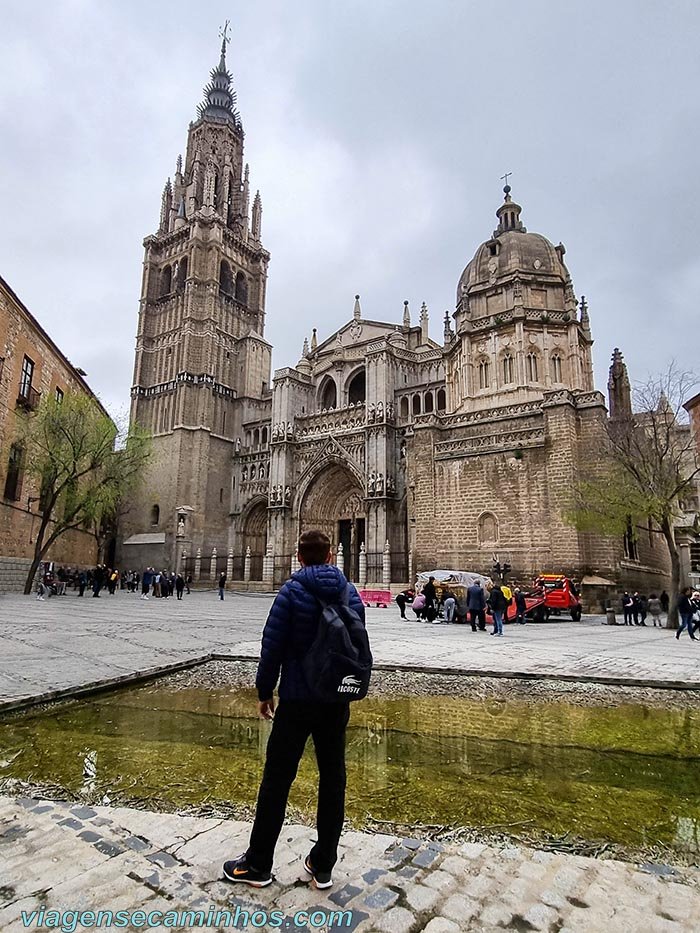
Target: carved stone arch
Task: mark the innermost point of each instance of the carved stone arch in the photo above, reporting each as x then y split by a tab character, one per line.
252	533
320	463
356	385
487	529
327	393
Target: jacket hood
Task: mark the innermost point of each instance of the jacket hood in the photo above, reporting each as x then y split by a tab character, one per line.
323	579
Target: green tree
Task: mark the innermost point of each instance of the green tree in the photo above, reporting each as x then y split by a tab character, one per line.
651	466
83	464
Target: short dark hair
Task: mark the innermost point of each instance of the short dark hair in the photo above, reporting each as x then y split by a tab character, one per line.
314	547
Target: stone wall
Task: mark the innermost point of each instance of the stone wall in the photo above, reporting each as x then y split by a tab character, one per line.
13	573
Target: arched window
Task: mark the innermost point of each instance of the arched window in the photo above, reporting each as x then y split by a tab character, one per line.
264	437
166	281
484	374
488	529
507	369
428	404
404	407
226	286
181	274
328	394
441	400
256	438
555	367
531	367
241	288
357	389
416	405
155	514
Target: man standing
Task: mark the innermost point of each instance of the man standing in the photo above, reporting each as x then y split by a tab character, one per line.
476	603
222	585
289	632
498	605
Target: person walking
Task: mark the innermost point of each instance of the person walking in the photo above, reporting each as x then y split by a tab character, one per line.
404	598
146	582
654	607
498	604
82	582
289	633
685	611
222	585
179	585
520	606
476	603
188	583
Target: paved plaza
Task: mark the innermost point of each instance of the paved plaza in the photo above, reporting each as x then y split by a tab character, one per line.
60	856
63	856
67	642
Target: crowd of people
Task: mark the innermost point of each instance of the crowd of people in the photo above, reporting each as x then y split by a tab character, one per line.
636	607
438	606
159	583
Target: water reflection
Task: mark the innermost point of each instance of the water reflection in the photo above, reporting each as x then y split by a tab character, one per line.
621	774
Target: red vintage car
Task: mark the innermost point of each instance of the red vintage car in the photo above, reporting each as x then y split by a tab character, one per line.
552	595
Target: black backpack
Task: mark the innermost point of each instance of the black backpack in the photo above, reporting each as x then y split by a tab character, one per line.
338	665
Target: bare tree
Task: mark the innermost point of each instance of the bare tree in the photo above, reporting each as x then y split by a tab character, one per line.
84	466
652	465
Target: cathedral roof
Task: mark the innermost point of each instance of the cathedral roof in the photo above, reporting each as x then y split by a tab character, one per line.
512	250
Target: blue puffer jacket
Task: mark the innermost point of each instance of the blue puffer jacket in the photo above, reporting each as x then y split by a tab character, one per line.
291	628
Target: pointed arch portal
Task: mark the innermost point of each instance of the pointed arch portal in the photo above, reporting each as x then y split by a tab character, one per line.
334	503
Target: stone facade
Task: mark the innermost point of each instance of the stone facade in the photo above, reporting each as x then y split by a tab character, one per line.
31	366
410	454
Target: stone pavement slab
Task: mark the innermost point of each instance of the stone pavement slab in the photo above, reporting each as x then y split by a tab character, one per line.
56	856
66	642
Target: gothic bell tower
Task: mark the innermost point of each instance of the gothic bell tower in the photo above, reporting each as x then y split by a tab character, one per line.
201	357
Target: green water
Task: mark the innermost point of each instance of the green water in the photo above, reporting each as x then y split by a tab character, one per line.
627	775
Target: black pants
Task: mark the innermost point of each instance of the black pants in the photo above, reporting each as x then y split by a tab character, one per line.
401	603
294	722
478	616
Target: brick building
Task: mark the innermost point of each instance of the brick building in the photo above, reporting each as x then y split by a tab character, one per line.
31	366
411	454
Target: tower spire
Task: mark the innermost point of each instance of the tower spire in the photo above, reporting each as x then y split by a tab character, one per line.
508	213
406	314
619	394
357	311
219	104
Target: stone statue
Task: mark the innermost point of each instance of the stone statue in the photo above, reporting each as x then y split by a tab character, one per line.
244	475
181	526
371	483
403	450
390	485
380	484
287	495
371	412
278	494
290	429
238	445
261	471
390	411
380	411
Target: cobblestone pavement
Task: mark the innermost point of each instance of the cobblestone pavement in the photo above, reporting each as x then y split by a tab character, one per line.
59	856
66	642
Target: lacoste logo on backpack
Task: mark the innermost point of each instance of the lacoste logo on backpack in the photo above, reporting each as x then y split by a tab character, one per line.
350	684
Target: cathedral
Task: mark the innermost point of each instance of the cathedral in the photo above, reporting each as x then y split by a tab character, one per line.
409	454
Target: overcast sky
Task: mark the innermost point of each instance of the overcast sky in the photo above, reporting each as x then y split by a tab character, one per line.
377	132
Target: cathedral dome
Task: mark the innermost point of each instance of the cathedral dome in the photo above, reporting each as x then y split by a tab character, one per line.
512	250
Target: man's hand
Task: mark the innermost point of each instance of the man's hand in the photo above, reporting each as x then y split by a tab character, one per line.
266	708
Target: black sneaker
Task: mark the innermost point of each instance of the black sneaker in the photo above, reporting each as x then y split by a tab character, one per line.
321	879
238	869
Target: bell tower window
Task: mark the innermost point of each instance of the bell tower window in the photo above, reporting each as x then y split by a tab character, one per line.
531	367
507	369
556	368
484	374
